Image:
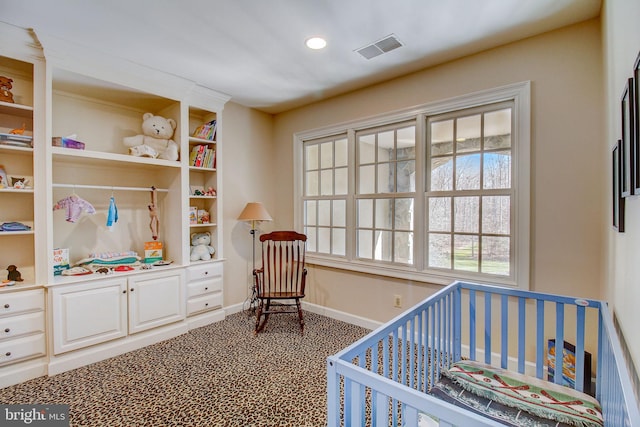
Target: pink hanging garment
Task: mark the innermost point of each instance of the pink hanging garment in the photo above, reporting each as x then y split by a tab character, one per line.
74	206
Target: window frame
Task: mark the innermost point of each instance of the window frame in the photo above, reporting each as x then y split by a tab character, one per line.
520	94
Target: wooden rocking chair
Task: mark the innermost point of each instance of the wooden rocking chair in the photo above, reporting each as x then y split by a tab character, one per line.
281	280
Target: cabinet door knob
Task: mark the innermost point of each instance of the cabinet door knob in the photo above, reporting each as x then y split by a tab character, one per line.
7	330
8	353
6	306
124	292
131	289
206	304
206	288
206	272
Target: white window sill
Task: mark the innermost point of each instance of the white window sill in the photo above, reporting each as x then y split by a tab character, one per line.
407	273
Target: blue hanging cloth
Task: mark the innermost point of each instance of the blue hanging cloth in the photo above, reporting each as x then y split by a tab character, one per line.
112	216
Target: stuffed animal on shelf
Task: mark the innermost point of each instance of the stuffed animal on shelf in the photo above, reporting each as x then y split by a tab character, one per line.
14	274
155	140
200	246
5	89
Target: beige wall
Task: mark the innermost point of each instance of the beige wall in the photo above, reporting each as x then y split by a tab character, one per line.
621	40
247	164
568	174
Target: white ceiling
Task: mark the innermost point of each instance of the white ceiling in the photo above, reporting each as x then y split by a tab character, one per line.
253	50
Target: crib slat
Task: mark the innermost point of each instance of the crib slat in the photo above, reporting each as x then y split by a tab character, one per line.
472	324
457	325
438	338
420	345
580	321
539	338
357	396
522	311
380	413
601	359
432	330
487	327
557	377
504	315
447	325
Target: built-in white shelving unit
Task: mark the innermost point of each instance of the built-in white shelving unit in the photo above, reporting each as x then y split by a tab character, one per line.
99	101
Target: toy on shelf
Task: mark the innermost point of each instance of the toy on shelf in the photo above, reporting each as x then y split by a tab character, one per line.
153	214
19	131
5	89
155	140
14	274
200	247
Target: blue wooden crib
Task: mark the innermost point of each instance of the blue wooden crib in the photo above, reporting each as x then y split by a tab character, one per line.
384	379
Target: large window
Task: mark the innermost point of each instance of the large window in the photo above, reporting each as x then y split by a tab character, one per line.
437	193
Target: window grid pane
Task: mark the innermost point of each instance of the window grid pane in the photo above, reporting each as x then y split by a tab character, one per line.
386	166
469	195
325	187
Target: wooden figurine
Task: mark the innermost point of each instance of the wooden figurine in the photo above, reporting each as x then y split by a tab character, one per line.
14	274
5	89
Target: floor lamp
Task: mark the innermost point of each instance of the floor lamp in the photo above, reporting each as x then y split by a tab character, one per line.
254	211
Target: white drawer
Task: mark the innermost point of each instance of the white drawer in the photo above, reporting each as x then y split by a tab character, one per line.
22	348
204	271
203	287
22	324
207	302
18	302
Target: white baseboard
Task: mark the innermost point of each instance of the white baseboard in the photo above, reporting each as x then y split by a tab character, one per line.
204	319
341	315
23	371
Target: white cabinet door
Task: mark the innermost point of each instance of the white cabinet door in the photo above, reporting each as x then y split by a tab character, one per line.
156	299
87	314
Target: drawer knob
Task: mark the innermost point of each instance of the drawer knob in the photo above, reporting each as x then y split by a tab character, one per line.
7	330
8	353
6	306
206	272
206	304
206	288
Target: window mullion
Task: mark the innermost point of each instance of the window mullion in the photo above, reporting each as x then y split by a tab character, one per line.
351	212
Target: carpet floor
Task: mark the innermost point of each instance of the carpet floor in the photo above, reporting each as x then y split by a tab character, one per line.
217	375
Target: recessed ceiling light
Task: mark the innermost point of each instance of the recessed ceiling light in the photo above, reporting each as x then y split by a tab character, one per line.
316	43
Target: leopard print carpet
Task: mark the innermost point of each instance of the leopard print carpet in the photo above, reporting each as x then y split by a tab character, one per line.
217	375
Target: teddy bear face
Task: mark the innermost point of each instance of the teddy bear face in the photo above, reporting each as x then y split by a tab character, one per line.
158	126
200	239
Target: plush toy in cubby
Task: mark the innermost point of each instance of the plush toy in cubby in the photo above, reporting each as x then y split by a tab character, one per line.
155	140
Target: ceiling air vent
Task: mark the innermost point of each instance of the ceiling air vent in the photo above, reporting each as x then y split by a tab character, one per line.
381	46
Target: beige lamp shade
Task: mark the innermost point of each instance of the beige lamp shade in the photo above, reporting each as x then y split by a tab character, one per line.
254	211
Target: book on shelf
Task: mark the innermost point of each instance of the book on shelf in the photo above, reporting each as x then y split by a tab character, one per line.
193	215
206	131
196	156
202	156
16	140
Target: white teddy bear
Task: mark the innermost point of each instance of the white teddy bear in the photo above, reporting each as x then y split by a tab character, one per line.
155	140
200	246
